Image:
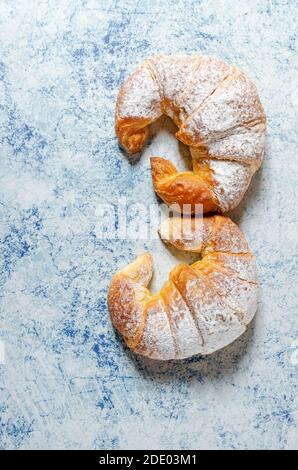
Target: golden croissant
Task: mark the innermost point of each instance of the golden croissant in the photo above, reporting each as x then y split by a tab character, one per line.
218	113
202	307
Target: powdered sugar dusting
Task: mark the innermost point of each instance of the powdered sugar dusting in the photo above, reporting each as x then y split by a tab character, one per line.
243	145
139	96
243	264
187	337
206	76
233	104
156	340
216	321
231	182
237	294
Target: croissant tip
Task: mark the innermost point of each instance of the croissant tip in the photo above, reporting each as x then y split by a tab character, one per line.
146	255
156	159
146	258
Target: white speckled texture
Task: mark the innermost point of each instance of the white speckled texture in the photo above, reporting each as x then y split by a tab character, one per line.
67	380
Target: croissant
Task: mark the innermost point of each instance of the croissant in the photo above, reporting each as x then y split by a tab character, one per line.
218	114
202	307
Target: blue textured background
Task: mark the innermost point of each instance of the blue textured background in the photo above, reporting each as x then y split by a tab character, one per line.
67	381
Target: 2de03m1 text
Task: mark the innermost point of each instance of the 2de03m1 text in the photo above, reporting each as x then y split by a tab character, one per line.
170	459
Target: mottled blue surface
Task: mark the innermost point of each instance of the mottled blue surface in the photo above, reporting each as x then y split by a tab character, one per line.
67	380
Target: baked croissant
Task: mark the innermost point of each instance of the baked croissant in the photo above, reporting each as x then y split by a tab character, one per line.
202	307
219	115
